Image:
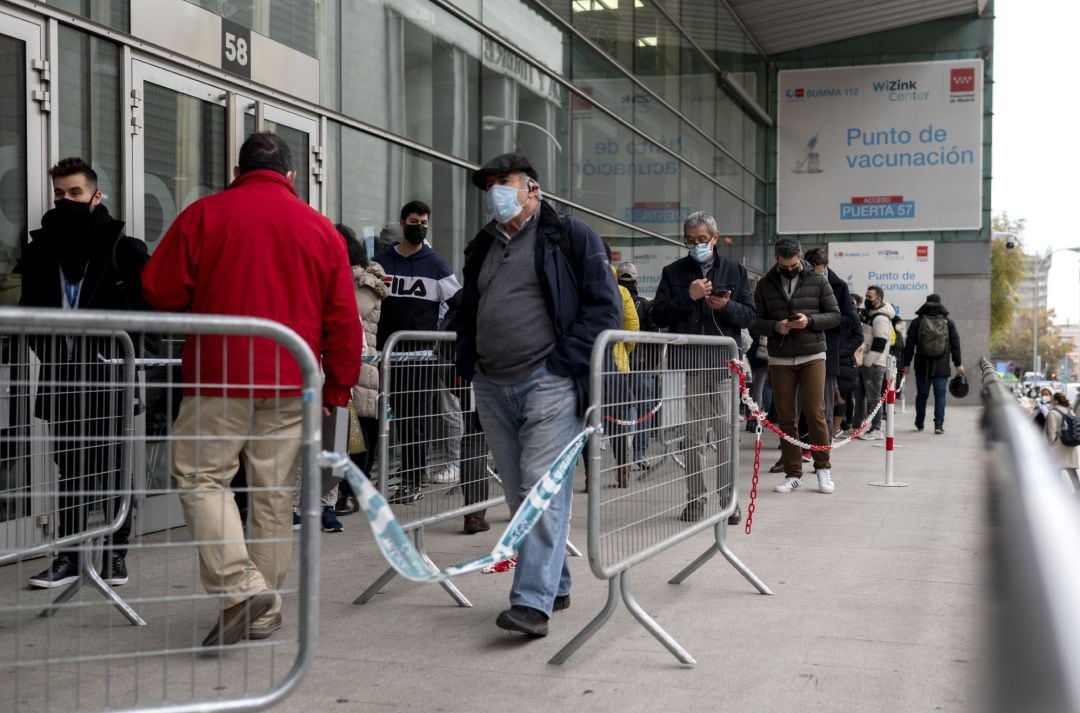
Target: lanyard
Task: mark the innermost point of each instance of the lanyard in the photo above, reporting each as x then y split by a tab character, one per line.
71	290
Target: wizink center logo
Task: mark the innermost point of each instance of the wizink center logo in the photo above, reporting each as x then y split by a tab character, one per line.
900	90
961	85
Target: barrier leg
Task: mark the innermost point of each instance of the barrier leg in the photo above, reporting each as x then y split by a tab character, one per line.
88	575
650	624
375	586
453	591
614	585
572	550
722	545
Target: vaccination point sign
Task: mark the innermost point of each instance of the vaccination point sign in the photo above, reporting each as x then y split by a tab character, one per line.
904	269
880	148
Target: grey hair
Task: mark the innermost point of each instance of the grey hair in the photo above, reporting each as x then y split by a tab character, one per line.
788	248
698	219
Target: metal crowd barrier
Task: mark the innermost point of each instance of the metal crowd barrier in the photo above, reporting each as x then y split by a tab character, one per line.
666	467
1035	536
85	407
73	492
433	460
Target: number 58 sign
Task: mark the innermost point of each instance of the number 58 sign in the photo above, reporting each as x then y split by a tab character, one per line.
235	49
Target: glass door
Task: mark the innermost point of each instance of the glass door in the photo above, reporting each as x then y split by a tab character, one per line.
24	99
178	154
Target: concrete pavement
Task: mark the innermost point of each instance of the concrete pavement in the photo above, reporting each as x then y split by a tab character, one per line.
879	604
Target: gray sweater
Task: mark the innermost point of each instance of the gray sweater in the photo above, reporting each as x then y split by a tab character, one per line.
514	334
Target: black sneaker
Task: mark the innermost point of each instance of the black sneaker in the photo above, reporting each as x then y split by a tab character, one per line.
524	619
562	602
475	524
938	430
61	572
330	522
736	517
694	510
115	572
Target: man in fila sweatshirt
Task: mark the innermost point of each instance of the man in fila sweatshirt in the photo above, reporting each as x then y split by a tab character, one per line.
419	283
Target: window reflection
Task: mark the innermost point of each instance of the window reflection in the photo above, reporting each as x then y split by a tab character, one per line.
90	110
13	217
184	155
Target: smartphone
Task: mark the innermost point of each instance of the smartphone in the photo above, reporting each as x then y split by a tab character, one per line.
721	291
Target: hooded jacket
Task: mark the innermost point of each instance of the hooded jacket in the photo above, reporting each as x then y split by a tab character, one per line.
877	335
369	286
929	367
418	287
813	296
581	298
256	249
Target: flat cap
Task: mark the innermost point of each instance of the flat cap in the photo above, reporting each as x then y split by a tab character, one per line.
502	165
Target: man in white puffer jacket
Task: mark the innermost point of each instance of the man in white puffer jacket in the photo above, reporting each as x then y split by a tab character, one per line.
877	317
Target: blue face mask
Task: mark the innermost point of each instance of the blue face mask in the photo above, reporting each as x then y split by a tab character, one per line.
701	252
502	203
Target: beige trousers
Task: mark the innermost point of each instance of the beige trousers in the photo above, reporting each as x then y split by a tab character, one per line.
267	433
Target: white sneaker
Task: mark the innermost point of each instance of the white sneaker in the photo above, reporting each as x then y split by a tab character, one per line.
788	485
447	476
824	481
874	435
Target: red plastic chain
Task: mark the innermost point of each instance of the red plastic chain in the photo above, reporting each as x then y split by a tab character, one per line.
760	417
754	482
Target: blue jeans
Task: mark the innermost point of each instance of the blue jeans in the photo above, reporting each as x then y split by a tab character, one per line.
527	424
922	394
645	395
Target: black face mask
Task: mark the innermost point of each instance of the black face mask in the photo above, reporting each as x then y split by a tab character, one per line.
68	219
871	305
415	234
789	273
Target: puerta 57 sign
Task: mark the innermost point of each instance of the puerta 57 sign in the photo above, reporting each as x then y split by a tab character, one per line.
880	148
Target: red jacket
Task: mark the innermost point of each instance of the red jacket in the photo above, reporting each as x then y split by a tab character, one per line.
256	249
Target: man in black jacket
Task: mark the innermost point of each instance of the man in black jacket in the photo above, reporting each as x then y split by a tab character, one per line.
927	344
703	293
795	307
80	259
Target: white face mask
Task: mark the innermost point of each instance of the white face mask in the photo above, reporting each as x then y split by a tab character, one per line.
1044	399
502	203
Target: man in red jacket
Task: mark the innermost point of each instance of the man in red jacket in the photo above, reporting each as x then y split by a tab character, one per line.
255	249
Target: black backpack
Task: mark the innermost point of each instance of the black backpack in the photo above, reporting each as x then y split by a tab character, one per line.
1069	435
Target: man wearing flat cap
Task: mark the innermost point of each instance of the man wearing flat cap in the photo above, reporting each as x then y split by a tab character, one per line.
537	293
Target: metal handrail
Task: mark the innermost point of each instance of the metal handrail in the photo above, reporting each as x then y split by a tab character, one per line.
1036	538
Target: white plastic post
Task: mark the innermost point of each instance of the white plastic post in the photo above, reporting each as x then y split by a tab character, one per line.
890	427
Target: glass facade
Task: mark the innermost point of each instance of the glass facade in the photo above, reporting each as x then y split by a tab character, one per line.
618	103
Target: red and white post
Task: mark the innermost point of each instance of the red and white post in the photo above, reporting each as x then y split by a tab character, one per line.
890	427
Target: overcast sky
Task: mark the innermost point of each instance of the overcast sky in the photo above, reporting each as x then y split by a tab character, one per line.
1036	146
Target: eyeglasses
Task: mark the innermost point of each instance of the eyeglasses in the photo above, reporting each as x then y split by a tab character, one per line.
691	242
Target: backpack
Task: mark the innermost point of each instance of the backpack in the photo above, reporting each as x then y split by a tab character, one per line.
1069	435
933	338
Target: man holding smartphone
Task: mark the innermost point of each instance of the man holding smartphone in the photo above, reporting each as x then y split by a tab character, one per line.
703	293
795	307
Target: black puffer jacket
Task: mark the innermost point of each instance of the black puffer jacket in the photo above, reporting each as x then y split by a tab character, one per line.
813	297
930	367
847	379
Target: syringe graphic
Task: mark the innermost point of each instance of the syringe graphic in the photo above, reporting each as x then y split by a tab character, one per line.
808	162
